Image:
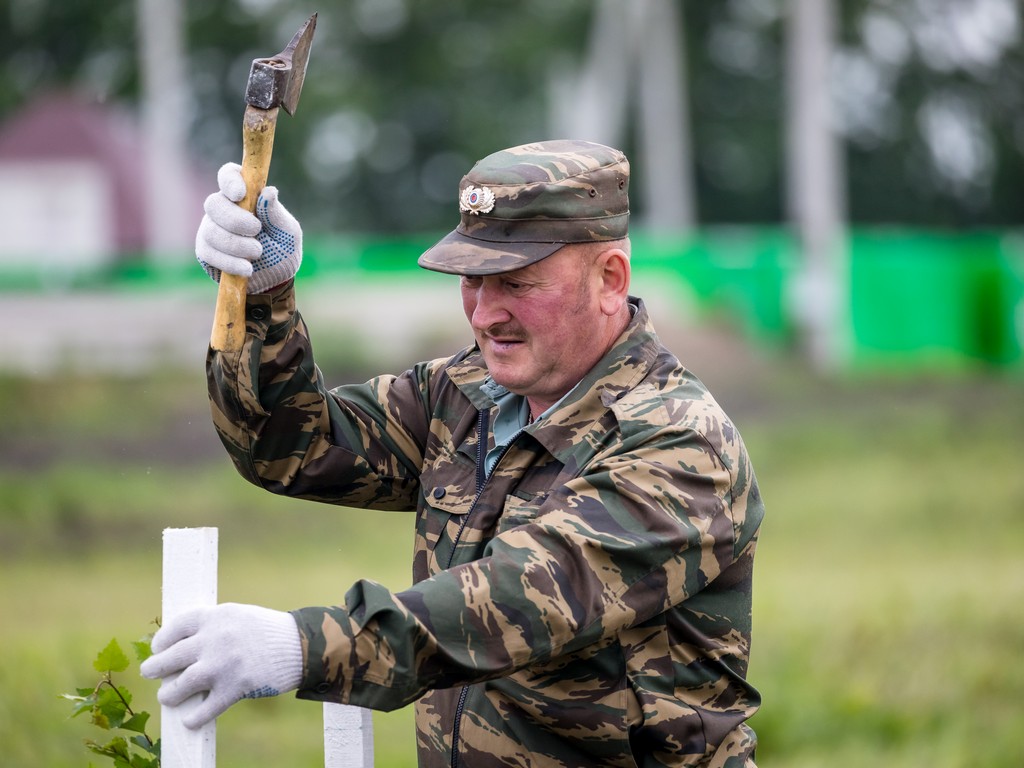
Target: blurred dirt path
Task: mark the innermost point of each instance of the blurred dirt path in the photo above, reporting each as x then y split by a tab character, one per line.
121	334
117	332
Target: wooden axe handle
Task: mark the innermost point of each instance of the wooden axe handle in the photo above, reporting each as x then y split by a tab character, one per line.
258	127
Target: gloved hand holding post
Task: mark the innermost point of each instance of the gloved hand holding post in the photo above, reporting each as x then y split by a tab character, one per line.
273	83
228	651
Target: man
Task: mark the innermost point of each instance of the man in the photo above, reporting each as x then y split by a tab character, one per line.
586	514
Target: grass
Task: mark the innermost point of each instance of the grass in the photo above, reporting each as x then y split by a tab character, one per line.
889	580
888	587
70	596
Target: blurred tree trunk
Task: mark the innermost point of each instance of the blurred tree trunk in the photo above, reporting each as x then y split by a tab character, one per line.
664	140
165	122
634	61
815	181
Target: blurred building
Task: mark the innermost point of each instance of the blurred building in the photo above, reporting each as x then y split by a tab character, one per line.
73	189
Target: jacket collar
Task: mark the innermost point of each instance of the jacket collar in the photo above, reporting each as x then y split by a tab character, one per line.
580	412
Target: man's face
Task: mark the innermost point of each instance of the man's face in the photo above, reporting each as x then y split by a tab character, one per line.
540	328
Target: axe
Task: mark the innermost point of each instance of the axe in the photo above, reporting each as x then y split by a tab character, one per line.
273	83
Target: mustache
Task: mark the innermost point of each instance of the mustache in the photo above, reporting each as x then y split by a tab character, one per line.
506	331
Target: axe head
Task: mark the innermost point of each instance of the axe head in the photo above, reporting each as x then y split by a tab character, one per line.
277	81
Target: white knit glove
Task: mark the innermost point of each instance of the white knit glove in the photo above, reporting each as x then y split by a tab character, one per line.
266	248
228	651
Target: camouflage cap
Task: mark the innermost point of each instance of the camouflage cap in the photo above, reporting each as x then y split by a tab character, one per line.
522	204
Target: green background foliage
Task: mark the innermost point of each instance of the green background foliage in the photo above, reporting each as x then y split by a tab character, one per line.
402	96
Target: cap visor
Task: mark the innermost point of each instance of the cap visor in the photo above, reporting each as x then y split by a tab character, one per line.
458	254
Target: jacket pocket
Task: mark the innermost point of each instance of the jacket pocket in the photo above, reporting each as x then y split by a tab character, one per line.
447	497
519	511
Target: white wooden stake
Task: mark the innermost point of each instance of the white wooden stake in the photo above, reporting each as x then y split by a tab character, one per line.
348	737
189	581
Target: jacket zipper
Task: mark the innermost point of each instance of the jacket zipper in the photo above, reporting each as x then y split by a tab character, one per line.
481	479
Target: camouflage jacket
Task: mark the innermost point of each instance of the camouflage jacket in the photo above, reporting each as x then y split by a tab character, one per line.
586	604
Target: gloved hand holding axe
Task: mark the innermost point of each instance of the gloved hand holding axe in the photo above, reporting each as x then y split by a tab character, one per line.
247	241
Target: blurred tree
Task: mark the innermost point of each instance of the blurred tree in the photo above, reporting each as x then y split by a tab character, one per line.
399	100
48	44
402	96
932	100
630	84
735	62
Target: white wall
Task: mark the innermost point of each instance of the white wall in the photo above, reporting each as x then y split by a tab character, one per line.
55	214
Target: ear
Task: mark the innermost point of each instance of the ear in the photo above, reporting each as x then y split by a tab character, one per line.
614	272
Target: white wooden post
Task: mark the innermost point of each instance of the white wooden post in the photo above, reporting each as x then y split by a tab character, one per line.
348	737
189	581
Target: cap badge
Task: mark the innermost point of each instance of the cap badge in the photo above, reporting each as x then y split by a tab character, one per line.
476	200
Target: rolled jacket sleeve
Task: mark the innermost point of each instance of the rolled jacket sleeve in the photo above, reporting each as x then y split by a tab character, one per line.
359	445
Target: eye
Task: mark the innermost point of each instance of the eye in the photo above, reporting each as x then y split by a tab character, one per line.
471	281
516	287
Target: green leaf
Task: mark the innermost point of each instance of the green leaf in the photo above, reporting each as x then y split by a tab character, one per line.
154	749
143	648
111	659
83	702
111	707
126	695
115	748
143	742
141	761
136	723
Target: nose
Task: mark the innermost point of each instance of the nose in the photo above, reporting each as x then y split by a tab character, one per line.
484	304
